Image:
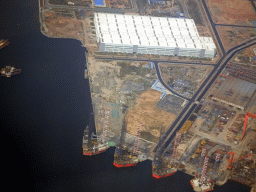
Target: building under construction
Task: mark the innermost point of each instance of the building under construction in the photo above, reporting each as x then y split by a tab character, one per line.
234	92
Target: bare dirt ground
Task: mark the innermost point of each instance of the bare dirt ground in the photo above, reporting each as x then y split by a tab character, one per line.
129	83
232	36
203	31
64	26
152	118
194	12
234	12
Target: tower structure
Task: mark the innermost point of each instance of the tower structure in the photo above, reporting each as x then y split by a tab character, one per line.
217	159
176	142
137	140
203	153
105	126
203	173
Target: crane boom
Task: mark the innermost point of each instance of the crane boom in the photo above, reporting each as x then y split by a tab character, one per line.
247	115
230	160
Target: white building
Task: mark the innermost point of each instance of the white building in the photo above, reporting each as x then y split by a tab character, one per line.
151	35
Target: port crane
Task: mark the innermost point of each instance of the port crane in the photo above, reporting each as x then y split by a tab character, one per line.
247	115
230	160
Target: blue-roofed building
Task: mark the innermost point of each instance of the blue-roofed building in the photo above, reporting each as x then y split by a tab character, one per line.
152	2
159	87
98	3
152	65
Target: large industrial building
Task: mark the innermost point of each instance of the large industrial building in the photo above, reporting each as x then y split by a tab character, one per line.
151	35
234	92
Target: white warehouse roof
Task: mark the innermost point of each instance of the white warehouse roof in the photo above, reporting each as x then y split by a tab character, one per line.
149	31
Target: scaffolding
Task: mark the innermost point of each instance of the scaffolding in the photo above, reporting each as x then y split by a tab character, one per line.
105	126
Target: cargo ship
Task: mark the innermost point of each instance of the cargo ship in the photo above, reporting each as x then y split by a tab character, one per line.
9	71
4	43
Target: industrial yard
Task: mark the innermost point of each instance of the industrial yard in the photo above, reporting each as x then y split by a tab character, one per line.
218	140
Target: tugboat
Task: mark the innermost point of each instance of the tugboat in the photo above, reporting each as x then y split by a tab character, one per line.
86	73
9	71
4	43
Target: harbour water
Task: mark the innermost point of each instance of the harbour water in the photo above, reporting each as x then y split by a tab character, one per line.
44	111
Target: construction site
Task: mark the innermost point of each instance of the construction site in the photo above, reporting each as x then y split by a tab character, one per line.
128	90
185	80
165	8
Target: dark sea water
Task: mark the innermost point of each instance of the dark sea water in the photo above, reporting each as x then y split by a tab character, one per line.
44	111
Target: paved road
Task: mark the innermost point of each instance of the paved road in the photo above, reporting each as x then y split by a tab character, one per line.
154	61
47	5
213	26
166	86
244	26
253	4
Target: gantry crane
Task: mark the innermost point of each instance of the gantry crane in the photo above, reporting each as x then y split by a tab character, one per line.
231	161
245	122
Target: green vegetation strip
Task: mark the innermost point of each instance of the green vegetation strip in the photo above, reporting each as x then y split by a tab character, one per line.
111	144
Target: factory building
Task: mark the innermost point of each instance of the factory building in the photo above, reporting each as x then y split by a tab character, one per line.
234	92
151	35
